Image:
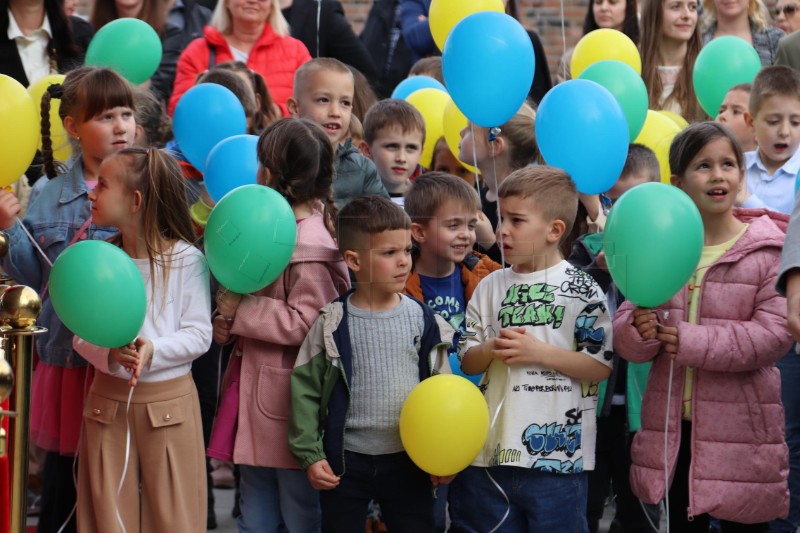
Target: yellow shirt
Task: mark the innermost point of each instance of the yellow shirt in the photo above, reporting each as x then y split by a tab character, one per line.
710	255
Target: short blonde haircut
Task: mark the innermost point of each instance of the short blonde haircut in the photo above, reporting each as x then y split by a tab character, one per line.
553	192
756	12
319	64
221	19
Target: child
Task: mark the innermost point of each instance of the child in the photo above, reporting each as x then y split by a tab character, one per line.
394	132
713	348
361	358
153	126
296	160
497	154
543	336
443	160
774	114
141	192
323	93
428	66
619	403
267	111
97	109
732	113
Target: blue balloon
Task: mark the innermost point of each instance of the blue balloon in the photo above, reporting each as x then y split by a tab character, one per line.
488	67
230	164
581	128
455	366
205	115
415	83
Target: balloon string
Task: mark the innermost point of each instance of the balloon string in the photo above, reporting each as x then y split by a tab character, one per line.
475	161
127	458
563	32
666	434
35	244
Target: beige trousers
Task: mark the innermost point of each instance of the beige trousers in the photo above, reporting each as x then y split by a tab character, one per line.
167	458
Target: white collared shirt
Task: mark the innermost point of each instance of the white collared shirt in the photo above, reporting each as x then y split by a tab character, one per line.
775	192
32	48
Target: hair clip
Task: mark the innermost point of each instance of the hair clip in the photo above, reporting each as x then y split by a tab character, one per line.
493	133
55	91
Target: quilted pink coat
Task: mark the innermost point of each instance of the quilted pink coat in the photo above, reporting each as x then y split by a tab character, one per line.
739	457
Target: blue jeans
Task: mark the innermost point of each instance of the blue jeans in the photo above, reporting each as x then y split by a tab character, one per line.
537	501
789	366
271	496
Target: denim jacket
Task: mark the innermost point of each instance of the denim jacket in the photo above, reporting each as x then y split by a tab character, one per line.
55	214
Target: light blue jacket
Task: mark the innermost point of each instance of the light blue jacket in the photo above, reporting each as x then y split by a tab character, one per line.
55	214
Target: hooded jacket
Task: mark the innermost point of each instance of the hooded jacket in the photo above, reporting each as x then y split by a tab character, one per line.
356	175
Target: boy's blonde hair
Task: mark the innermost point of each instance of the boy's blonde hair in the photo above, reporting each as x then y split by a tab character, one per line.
777	80
365	216
319	64
428	66
221	19
393	113
552	190
641	159
429	191
520	137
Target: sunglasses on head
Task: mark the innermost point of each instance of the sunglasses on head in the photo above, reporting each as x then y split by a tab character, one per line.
789	10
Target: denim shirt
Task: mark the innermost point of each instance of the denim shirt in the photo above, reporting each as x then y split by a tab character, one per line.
54	216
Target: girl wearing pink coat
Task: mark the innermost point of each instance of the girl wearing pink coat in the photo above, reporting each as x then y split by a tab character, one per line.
723	333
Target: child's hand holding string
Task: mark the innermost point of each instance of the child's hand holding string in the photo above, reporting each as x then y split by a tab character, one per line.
9	209
228	302
646	322
514	346
144	350
126	357
668	336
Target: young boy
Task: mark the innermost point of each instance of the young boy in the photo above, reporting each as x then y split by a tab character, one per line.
323	93
774	114
732	113
362	357
543	336
619	403
394	132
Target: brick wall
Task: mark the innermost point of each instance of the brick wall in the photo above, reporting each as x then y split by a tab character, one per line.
542	16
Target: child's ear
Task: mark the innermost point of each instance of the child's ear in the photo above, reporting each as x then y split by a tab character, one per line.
556	231
352	260
418	232
365	149
748	119
139	138
675	180
69	126
499	146
136	201
294	109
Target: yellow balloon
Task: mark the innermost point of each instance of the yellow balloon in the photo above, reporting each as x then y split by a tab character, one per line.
19	130
62	146
443	15
454	122
430	103
657	134
444	424
676	118
602	44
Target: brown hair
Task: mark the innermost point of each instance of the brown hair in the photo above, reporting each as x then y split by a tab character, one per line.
773	81
641	159
243	92
688	143
165	215
552	190
650	48
300	159
319	64
364	216
393	113
630	24
428	66
364	97
154	12
267	111
432	189
86	91
150	116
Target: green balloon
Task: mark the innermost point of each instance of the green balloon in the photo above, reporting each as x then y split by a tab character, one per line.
250	238
98	293
626	86
721	64
129	46
653	241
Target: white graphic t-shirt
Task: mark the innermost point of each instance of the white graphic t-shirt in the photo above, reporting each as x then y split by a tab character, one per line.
542	419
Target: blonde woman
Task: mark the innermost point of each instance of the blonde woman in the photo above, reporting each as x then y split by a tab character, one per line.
746	19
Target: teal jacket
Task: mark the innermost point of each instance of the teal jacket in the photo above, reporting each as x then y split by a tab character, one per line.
356	175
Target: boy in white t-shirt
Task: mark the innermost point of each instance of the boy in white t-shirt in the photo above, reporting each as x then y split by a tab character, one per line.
542	334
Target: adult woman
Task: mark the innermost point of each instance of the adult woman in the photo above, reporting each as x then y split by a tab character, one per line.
787	15
745	19
251	31
670	43
178	22
38	38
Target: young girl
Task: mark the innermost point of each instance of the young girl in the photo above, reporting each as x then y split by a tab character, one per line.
714	346
497	155
97	110
669	47
141	192
297	160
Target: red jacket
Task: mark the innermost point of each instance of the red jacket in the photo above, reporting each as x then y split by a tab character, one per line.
274	57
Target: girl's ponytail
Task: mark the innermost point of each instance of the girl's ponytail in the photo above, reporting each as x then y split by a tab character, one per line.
50	169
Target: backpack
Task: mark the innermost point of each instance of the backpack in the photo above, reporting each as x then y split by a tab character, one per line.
383	37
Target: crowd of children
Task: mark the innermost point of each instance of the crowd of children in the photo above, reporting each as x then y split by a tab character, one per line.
400	273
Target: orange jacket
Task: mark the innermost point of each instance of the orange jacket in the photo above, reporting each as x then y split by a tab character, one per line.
474	268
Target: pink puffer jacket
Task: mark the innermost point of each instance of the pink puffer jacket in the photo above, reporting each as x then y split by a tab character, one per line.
739	457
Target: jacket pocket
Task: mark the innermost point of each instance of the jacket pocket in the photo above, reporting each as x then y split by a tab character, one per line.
99	409
273	391
54	237
167	413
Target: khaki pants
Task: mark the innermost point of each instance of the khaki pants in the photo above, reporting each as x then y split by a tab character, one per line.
166	457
